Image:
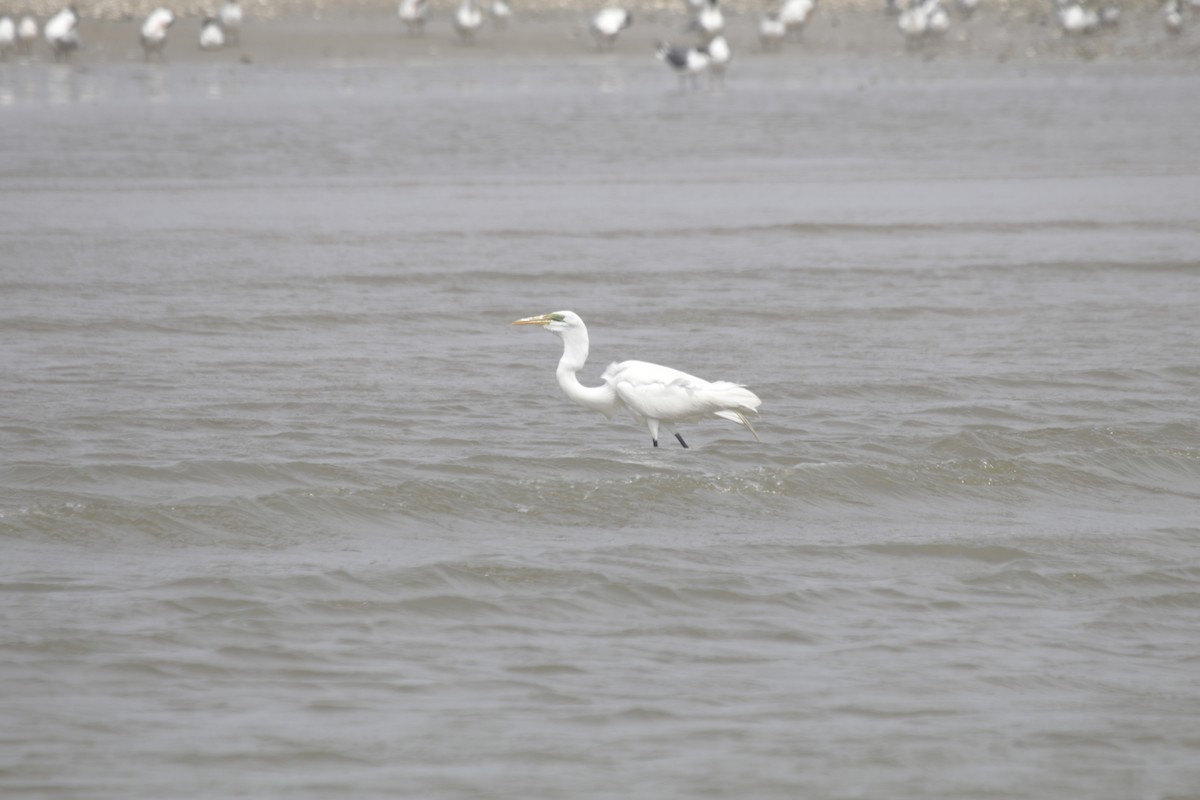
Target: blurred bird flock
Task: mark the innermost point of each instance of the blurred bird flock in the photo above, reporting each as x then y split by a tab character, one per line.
50	29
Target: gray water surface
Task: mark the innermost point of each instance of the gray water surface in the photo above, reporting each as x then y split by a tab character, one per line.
288	509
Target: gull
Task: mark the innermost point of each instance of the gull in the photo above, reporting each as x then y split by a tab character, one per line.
414	14
719	56
771	30
62	33
467	19
501	13
231	21
8	36
1173	16
795	13
709	21
153	35
212	35
687	62
27	33
606	25
1073	18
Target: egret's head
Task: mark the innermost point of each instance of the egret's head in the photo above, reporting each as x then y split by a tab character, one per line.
555	322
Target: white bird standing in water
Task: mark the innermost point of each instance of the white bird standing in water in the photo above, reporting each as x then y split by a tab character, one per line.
62	33
8	36
27	34
653	394
154	32
606	25
414	13
212	36
719	56
467	19
687	62
231	21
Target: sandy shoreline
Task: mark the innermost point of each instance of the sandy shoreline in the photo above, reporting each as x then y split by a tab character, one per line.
370	30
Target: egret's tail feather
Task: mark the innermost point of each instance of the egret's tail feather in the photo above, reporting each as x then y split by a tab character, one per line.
740	418
753	432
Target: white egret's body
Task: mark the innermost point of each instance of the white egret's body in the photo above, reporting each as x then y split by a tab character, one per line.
414	14
212	35
653	394
467	19
62	33
607	24
154	32
231	20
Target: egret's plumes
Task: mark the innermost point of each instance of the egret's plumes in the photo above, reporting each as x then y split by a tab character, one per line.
653	394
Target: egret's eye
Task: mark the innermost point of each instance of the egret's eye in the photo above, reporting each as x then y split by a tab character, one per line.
557	317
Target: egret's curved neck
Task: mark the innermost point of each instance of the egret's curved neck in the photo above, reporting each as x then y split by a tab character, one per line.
575	353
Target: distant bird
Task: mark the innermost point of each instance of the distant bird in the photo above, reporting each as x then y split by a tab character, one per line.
709	20
27	34
231	20
153	35
606	25
922	19
719	56
8	36
653	394
795	13
467	19
501	13
62	33
1073	18
1173	16
771	31
687	62
212	35
414	14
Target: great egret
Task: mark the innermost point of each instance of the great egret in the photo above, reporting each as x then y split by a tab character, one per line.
653	394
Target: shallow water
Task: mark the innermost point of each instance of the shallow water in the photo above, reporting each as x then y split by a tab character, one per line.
289	509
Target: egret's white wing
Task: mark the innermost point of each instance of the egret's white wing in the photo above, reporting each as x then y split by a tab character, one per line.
657	392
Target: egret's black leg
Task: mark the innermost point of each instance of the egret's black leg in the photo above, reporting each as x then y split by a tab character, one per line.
681	441
655	442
